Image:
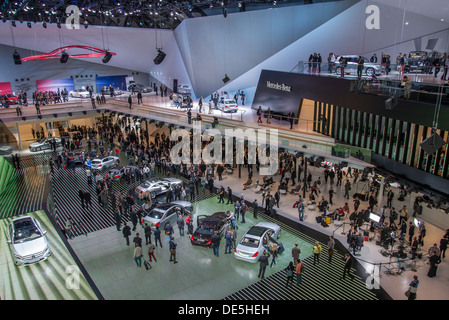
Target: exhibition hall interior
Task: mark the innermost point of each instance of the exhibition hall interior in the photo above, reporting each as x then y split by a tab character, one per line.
231	150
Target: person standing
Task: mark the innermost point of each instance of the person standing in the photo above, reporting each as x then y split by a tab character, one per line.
300	206
181	224
296	251
414	247
289	272
133	218
298	270
443	246
157	236
147	231
348	266
68	228
130	101
151	255
330	248
255	208
139	97
360	64
413	287
126	233
118	218
138	255
263	263
316	253
81	195
291	117
228	239
347	188
259	115
229	194
137	240
169	232
172	247
215	243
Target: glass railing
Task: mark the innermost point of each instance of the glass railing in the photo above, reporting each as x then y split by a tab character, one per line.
421	87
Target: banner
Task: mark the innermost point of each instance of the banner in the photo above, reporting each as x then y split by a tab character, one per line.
55	84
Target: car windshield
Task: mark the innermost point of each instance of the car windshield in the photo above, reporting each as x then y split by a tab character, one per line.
250	242
414	55
256	231
156	214
229	101
25	231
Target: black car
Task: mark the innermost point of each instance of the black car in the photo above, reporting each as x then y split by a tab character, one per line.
207	225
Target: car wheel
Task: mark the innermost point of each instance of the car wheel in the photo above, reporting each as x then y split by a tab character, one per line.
16	263
39	149
338	70
153	195
279	234
369	72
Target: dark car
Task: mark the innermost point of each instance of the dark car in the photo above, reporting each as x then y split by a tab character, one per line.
118	173
207	225
416	61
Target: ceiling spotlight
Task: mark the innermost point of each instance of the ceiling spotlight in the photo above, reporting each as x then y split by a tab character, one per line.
107	57
64	57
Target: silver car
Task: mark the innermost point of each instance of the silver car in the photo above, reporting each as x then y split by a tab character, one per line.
256	240
27	241
106	162
225	105
369	68
168	212
158	187
44	144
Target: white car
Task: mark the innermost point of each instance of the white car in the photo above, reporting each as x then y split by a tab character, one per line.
166	212
106	162
27	241
79	93
256	240
225	105
369	68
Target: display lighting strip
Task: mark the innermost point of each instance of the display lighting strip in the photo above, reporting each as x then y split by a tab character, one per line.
55	54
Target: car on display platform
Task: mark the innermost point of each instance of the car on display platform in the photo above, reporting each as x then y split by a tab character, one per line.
27	241
157	187
370	69
79	93
225	105
187	101
107	91
118	173
44	144
106	162
256	241
206	227
168	212
139	88
5	150
11	98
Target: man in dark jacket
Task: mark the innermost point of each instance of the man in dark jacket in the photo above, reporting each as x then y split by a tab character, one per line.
348	266
263	263
229	195
126	233
147	230
81	195
215	243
